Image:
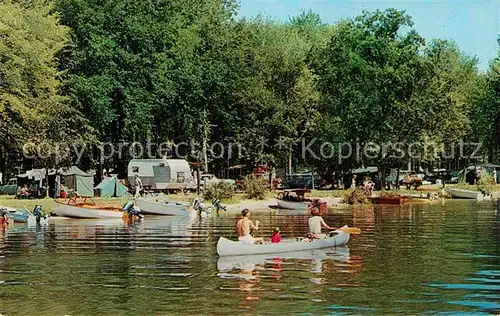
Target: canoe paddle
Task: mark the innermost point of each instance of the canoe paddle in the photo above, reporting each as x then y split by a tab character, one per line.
350	230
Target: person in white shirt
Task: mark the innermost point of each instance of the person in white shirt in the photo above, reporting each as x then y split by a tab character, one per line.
137	185
316	222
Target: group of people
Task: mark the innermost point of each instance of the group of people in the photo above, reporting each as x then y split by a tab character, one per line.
245	226
33	191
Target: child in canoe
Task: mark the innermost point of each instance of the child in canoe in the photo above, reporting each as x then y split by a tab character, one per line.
276	237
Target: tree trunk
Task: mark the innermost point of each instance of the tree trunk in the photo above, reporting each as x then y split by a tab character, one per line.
3	164
397	179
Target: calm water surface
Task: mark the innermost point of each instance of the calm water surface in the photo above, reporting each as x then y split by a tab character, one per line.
435	259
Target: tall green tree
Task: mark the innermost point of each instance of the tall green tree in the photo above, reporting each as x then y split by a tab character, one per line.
32	110
485	113
369	72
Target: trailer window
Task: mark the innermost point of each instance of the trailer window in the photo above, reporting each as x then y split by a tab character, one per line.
135	169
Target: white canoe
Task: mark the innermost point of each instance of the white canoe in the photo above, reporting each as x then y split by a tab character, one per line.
464	194
226	247
163	208
302	206
66	210
229	263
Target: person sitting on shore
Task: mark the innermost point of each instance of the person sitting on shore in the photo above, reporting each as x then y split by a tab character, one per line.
316	222
244	226
276	237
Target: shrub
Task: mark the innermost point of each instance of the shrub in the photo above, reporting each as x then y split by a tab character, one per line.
254	188
355	196
486	183
220	190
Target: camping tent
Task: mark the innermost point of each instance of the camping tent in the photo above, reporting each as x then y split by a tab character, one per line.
110	187
79	181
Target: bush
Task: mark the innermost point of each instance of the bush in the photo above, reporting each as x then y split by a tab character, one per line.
355	196
486	183
220	190
254	188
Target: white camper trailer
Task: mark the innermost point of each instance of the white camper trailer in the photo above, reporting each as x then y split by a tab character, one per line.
160	174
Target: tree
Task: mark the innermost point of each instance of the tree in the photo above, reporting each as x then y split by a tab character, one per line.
32	110
368	73
485	112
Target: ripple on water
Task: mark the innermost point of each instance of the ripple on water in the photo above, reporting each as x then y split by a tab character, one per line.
415	260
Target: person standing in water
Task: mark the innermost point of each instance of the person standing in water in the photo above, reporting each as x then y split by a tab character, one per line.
243	228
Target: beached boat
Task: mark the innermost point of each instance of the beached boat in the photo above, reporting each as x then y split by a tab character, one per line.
289	205
430	187
163	208
464	194
395	199
86	209
295	200
24	216
19	216
226	247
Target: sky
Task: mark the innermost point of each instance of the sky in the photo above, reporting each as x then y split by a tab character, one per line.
474	24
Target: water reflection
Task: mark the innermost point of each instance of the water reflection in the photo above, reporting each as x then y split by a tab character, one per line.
418	259
317	257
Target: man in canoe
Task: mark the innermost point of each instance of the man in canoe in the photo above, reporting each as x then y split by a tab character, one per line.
243	228
316	222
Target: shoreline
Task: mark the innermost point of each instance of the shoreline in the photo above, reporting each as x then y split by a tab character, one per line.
233	205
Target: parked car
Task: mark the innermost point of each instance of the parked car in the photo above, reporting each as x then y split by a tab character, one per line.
407	178
301	180
209	178
442	174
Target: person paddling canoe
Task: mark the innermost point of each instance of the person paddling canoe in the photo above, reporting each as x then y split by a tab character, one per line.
316	222
243	228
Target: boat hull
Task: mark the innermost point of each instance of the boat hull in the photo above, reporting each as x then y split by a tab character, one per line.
163	208
464	194
226	247
18	216
228	263
395	200
302	206
66	210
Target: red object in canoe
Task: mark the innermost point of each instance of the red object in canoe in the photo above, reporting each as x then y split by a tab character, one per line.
390	200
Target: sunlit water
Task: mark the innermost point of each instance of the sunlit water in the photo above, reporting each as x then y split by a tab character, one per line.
416	259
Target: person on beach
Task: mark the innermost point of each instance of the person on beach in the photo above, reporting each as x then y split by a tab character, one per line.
137	185
244	226
316	222
353	182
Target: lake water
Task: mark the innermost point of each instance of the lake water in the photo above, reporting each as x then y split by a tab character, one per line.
439	259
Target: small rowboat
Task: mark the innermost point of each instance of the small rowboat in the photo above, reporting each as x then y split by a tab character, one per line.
396	199
18	216
295	200
24	216
86	209
163	208
465	194
226	247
